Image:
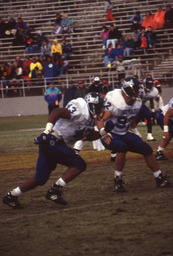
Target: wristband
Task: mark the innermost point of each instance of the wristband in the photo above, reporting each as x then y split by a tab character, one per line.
166	128
49	127
102	131
153	110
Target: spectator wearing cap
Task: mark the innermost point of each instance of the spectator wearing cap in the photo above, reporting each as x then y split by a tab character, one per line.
81	91
96	85
52	96
69	93
106	83
136	20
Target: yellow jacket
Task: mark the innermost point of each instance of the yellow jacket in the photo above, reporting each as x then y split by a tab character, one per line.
33	65
56	47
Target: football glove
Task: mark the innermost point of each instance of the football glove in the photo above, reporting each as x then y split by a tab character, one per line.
42	138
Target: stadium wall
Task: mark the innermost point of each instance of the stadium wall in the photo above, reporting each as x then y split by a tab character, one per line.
36	105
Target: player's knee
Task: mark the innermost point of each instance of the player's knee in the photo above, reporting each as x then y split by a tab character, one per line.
80	163
147	150
41	180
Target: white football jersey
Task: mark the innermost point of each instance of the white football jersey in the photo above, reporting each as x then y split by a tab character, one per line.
122	113
79	125
150	95
167	106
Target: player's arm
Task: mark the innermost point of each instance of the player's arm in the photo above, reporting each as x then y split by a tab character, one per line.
105	136
167	116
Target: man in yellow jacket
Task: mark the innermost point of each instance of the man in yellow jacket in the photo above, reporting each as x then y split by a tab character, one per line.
56	50
35	68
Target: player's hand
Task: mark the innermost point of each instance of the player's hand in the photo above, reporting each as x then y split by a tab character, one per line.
107	138
42	138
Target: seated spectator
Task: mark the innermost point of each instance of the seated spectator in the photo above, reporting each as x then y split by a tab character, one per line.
159	19
105	83
136	21
104	35
62	65
53	97
3	27
121	41
148	20
3	77
135	35
69	93
21	32
108	10
35	69
118	52
15	78
66	48
40	37
66	24
129	45
28	41
57	29
56	50
58	18
109	55
26	66
45	49
169	17
8	69
151	37
141	34
10	27
50	69
21	23
144	44
81	91
19	61
114	35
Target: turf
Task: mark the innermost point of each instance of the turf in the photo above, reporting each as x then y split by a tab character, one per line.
96	220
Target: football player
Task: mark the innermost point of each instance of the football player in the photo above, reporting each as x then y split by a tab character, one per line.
121	106
164	117
64	127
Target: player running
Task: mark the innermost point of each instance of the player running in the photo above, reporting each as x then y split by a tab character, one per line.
64	127
121	106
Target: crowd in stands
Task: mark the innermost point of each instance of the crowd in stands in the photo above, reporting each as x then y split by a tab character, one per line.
142	36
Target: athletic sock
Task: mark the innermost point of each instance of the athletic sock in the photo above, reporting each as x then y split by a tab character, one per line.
16	192
117	173
60	182
160	148
157	173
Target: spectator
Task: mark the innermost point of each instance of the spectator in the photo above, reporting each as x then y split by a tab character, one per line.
66	23
39	41
3	77
151	37
20	35
21	23
148	20
96	85
28	40
15	78
35	69
144	44
114	35
57	29
141	34
45	49
26	66
104	35
19	61
10	27
58	18
118	52
81	91
66	48
56	50
121	41
3	27
169	17
129	45
69	93
159	19
50	69
109	56
105	83
53	97
62	65
108	10
136	21
135	35
8	69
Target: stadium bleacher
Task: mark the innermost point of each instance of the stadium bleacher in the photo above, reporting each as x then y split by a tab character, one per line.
88	18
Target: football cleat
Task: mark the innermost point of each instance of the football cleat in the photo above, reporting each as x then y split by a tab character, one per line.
54	194
11	201
160	156
162	182
119	184
150	137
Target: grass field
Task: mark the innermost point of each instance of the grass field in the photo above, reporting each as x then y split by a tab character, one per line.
96	220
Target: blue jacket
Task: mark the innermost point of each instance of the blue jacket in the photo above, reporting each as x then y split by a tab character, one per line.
53	96
50	69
